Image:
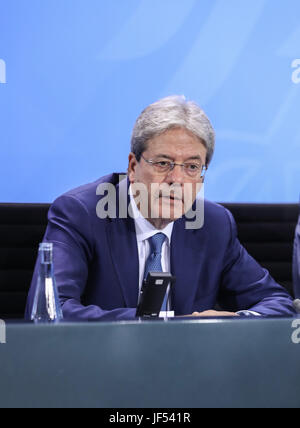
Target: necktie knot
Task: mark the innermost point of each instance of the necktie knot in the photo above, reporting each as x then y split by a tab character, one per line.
156	243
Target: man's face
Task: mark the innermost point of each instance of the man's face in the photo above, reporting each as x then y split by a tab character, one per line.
171	193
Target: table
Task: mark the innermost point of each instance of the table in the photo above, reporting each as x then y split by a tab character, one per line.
186	363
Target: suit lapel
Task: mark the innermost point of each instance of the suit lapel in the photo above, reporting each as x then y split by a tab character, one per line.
121	237
186	249
124	253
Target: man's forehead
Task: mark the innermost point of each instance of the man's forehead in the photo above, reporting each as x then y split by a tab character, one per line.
192	150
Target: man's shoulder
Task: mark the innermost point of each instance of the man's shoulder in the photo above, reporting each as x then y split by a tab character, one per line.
214	207
215	217
87	193
208	216
90	188
215	211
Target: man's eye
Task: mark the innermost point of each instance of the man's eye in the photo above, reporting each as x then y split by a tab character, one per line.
163	164
192	167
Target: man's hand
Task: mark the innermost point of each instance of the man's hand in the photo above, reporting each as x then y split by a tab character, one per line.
212	313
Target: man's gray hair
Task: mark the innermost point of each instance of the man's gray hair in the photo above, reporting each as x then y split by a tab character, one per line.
168	113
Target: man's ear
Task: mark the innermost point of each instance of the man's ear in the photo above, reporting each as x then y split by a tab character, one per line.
132	162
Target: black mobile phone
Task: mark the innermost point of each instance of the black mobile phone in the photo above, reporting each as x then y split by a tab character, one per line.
152	294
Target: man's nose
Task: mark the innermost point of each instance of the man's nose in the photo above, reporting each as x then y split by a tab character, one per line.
176	175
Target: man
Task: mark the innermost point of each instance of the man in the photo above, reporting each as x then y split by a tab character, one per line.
101	257
296	262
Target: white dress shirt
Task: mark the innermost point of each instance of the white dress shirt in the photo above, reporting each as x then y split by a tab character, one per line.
144	230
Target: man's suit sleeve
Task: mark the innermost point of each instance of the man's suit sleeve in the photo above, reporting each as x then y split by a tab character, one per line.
246	285
70	230
296	262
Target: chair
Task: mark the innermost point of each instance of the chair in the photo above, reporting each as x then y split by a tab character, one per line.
22	227
296	262
267	232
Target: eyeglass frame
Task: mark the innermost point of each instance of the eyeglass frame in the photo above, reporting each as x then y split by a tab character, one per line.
173	164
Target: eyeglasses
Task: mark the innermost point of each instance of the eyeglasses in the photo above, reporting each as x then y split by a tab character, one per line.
191	169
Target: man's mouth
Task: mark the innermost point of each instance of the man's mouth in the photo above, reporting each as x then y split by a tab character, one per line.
170	197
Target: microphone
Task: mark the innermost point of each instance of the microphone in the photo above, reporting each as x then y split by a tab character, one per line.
296	304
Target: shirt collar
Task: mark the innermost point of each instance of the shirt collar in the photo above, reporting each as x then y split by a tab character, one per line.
144	229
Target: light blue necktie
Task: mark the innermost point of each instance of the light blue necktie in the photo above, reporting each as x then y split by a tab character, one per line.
153	262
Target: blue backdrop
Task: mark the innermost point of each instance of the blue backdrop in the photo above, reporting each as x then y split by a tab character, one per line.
75	74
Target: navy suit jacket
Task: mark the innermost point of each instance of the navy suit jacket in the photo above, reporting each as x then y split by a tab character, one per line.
97	269
296	262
